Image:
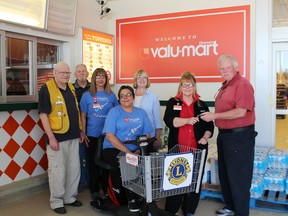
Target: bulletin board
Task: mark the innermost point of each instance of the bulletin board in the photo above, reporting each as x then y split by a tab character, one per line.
98	52
166	45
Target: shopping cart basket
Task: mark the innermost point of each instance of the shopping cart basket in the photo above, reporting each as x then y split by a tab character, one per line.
146	177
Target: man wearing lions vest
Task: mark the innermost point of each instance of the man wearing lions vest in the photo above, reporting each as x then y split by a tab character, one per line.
60	118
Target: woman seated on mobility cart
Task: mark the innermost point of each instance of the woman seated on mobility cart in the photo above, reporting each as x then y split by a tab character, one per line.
123	123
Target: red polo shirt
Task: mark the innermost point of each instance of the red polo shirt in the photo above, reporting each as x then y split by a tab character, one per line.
238	93
186	136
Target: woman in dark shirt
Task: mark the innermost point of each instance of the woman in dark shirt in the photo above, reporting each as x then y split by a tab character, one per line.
186	129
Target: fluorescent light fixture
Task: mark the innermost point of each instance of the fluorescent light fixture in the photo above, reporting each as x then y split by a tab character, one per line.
24	12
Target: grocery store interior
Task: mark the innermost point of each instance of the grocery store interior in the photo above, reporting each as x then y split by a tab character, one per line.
29	50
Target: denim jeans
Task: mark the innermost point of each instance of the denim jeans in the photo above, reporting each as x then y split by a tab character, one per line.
84	165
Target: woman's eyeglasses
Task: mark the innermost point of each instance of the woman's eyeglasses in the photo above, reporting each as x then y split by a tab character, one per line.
122	96
100	77
187	85
142	77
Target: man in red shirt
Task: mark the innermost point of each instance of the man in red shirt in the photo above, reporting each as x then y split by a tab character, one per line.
235	117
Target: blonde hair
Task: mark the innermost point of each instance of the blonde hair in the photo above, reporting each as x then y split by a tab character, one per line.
139	73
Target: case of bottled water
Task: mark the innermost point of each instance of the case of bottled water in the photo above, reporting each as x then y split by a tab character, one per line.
287	184
260	160
277	159
257	186
275	179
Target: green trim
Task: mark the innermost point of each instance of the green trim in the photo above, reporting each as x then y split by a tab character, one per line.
34	105
18	106
209	103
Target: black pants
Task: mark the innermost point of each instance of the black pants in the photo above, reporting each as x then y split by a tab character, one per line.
122	194
94	171
188	202
235	161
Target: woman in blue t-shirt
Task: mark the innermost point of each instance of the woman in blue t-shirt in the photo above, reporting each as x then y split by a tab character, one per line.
123	123
94	105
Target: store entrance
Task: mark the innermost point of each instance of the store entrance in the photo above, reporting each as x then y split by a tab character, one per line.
280	78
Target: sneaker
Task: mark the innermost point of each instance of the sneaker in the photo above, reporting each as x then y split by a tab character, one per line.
98	205
133	206
224	212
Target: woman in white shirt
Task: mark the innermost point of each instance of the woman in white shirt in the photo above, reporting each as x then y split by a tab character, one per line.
148	101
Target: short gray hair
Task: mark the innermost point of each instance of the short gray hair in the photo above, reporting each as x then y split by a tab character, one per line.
227	56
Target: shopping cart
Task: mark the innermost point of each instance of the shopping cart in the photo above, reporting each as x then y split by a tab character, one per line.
146	177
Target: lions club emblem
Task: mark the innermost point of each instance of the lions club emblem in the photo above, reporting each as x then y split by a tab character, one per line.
178	170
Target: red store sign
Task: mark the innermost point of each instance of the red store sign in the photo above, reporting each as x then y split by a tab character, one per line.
169	44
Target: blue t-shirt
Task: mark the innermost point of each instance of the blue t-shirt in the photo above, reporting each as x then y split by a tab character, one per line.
126	126
96	109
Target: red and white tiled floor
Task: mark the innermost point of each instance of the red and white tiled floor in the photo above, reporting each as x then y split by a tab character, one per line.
22	146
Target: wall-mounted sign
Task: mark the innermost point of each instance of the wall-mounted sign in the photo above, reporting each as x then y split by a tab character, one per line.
169	44
97	48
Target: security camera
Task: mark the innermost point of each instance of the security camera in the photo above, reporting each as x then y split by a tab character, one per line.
104	12
101	2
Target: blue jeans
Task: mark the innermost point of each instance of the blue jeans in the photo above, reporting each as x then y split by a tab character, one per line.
84	165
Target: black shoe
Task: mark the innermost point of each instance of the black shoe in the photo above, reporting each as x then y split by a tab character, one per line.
98	205
60	210
76	203
133	206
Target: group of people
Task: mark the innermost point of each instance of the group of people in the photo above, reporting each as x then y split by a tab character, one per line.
81	113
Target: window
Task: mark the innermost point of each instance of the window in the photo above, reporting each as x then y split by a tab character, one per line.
280	65
47	57
18	66
26	63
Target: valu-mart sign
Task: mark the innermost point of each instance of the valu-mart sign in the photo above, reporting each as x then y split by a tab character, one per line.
169	44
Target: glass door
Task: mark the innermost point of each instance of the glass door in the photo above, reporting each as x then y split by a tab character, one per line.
280	78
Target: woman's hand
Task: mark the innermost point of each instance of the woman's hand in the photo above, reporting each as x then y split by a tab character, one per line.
86	140
138	152
203	141
193	120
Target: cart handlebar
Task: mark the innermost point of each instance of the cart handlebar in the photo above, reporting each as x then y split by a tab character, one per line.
143	142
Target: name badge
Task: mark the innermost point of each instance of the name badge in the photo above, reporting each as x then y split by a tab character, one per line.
96	105
177	107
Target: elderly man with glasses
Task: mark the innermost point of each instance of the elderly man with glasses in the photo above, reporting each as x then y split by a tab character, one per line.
60	118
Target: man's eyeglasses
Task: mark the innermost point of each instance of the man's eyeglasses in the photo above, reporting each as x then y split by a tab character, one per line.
63	73
142	77
100	77
187	85
122	96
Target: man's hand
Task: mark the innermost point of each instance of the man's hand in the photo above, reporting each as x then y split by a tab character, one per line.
207	116
54	145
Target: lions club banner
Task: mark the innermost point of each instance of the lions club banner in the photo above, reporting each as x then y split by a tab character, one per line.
178	171
169	44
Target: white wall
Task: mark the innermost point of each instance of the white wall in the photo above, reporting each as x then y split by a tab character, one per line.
260	49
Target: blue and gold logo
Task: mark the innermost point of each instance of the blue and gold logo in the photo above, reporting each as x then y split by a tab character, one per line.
178	170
